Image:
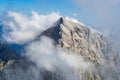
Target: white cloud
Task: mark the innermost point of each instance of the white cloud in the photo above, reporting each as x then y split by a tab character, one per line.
73	20
19	28
48	57
75	15
102	15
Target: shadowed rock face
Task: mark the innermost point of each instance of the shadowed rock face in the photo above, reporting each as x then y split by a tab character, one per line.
53	32
73	37
7	53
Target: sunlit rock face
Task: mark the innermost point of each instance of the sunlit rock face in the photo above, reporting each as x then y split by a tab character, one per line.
81	40
73	37
94	46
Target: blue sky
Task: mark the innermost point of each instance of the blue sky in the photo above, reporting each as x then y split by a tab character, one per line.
85	12
101	14
65	7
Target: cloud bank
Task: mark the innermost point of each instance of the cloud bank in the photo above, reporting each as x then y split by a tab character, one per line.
19	28
63	63
104	15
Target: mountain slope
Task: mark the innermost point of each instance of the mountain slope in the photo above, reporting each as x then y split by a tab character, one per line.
92	45
74	37
80	39
7	53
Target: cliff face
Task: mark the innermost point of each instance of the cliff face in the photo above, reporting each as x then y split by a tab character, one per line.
80	40
74	37
92	45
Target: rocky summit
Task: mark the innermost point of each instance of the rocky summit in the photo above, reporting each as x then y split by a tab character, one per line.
81	40
74	37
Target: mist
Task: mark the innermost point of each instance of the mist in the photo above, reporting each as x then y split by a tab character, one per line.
19	28
104	16
48	58
63	63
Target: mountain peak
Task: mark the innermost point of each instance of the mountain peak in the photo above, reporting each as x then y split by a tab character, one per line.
61	19
74	37
78	38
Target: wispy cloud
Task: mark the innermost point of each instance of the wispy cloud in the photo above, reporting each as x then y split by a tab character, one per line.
19	28
105	15
63	63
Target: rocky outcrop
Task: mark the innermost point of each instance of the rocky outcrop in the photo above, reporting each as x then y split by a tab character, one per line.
71	36
80	39
87	42
7	54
